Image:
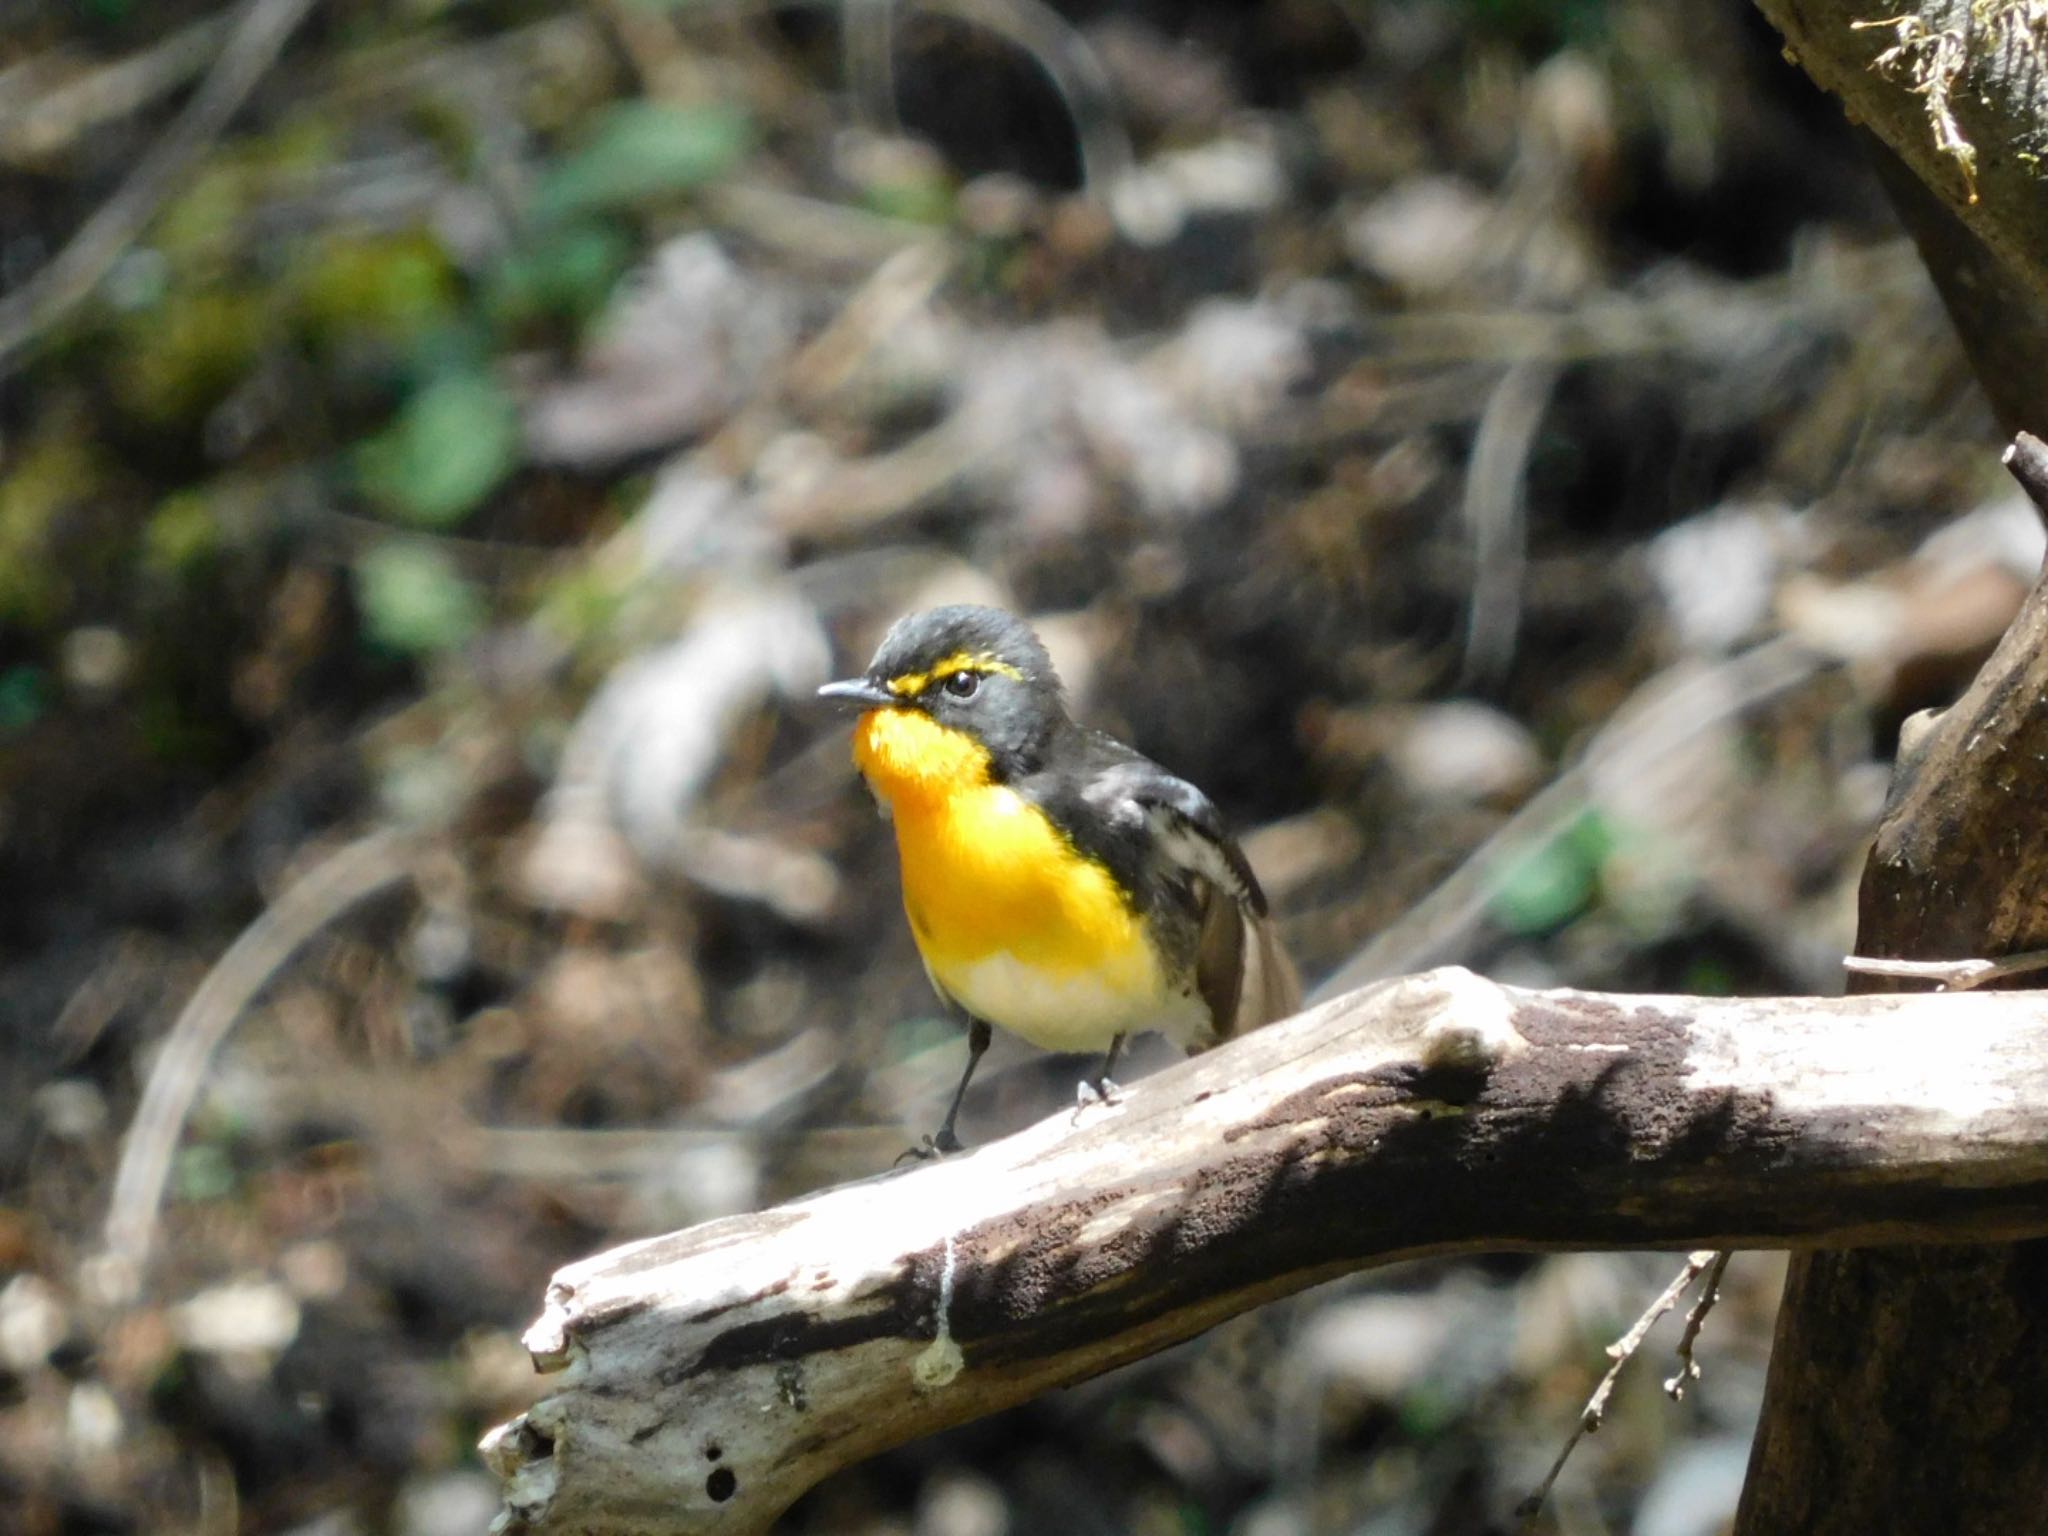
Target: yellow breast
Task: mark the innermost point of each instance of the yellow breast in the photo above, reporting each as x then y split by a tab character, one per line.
1011	921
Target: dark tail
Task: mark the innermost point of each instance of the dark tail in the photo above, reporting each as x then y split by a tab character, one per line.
1272	986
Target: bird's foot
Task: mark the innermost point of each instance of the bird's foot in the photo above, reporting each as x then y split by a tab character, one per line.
932	1148
1091	1091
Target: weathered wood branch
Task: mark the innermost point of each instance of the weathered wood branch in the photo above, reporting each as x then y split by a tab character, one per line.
2001	318
711	1376
1909	1386
1955	89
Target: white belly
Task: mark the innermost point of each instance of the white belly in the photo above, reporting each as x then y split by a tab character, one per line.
1074	1012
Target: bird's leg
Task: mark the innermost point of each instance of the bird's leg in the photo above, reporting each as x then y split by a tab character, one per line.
1101	1088
978	1036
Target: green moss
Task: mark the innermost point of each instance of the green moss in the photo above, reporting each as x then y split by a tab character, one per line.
201	227
54	470
180	356
387	287
181	533
915	199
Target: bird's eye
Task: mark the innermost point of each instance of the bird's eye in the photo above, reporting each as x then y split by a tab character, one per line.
962	685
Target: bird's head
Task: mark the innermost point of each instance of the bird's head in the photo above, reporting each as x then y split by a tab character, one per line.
962	694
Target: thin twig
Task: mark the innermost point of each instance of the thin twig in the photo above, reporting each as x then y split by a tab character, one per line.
1689	1367
34	125
1621	1351
71	275
867	43
2027	458
1496	515
1949	975
895	293
667	70
353	874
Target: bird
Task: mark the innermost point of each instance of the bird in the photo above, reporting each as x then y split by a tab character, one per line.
1059	884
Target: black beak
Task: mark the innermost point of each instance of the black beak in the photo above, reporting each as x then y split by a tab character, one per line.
858	691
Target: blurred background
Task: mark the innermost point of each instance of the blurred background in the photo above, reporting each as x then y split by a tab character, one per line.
1502	449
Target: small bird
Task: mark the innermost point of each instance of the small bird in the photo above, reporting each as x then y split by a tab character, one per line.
1058	883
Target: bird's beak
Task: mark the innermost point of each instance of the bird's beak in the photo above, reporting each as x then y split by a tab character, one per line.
859	692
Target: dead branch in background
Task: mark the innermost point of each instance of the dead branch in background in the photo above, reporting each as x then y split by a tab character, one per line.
356	873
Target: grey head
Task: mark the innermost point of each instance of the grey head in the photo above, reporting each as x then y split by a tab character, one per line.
974	669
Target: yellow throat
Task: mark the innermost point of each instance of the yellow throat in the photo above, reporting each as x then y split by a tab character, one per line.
1011	921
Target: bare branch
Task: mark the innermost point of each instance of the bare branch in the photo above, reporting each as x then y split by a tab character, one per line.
1949	975
713	1375
1695	1320
355	873
1621	1351
2026	458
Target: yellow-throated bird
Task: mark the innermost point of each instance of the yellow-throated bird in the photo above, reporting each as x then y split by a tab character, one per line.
1058	883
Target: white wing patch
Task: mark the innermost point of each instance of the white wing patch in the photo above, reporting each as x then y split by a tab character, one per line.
1188	848
1178	838
1111	795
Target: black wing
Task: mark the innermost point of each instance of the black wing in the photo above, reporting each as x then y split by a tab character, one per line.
1157	831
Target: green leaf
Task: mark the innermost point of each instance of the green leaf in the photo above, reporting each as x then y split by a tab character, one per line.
640	150
386	286
449	448
1428	1410
1548	886
203	1171
566	272
44	475
413	599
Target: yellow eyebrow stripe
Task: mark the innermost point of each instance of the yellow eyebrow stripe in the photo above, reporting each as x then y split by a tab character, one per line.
910	684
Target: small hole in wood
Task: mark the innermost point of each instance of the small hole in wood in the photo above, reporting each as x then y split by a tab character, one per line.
721	1485
713	1450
